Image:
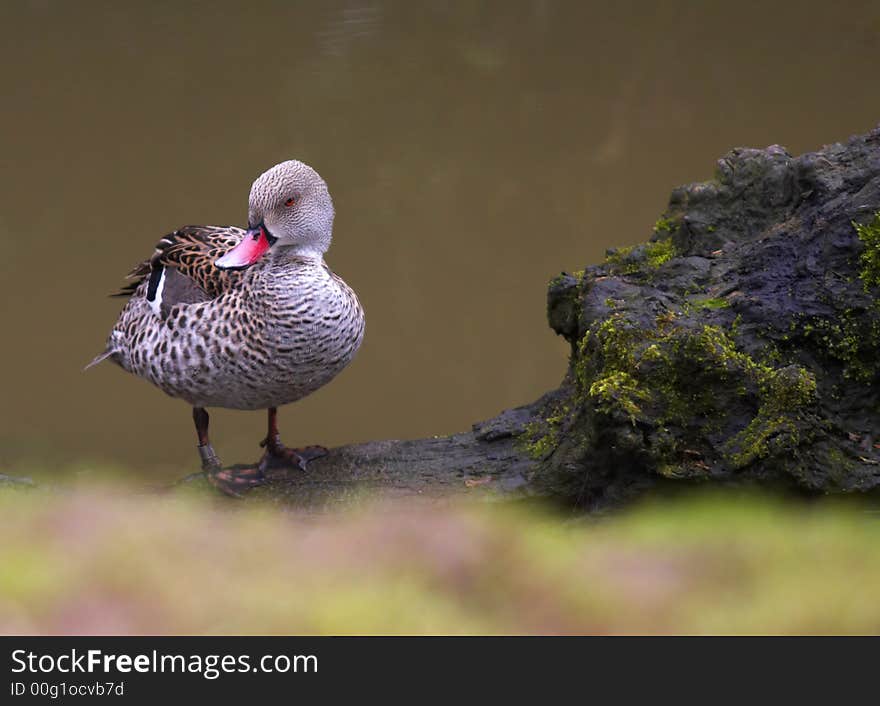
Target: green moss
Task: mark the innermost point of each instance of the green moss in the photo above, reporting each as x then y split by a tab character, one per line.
619	390
619	260
562	276
785	393
659	252
641	258
541	438
711	303
734	327
869	234
852	339
685	376
841	465
665	224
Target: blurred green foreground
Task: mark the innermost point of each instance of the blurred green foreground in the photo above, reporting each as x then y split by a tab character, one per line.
105	562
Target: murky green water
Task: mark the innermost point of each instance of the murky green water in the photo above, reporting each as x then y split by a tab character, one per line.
473	151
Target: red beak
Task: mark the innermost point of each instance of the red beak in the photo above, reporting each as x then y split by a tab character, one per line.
252	247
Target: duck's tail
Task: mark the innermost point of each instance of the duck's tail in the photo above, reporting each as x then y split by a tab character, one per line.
100	358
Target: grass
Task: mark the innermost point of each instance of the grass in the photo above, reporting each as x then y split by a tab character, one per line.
109	562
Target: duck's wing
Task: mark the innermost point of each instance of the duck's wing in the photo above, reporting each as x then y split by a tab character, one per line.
181	269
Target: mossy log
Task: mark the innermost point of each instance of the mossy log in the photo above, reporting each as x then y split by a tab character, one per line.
746	349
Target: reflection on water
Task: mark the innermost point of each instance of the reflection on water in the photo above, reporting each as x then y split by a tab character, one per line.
473	151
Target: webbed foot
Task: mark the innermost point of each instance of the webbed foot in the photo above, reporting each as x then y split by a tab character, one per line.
277	454
230	481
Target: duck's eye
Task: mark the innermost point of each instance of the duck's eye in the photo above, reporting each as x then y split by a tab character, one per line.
290	201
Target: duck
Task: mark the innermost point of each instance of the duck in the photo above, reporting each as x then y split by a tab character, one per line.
243	318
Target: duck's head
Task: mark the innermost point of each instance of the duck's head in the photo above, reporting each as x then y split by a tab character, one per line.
289	209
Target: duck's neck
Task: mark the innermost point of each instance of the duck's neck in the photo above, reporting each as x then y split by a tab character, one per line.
297	252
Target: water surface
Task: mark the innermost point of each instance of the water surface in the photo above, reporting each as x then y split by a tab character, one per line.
473	150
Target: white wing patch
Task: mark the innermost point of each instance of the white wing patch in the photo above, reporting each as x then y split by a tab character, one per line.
156	301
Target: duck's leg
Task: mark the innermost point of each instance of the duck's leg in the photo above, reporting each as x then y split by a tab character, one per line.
229	481
275	450
210	462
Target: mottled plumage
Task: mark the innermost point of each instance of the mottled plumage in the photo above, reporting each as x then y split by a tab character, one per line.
191	250
270	327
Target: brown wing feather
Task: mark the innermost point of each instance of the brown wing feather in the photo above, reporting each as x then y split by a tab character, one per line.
191	251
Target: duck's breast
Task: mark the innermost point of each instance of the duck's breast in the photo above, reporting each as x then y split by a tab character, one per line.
313	324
